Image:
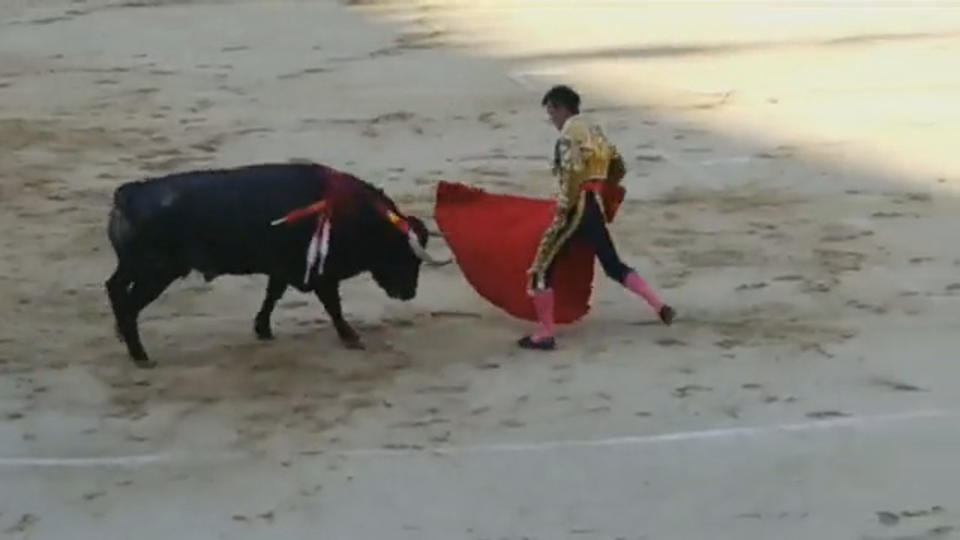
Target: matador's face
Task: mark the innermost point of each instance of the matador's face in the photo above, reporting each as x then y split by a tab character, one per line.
558	114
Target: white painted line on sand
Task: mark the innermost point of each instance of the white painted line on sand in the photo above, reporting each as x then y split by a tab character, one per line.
110	461
710	434
545	446
521	76
687	168
733	159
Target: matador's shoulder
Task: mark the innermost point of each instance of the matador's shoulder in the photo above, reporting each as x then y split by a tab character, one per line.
584	130
576	128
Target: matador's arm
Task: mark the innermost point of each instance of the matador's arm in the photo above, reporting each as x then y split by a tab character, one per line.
572	168
616	170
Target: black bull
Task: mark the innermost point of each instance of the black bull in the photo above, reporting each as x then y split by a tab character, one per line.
219	222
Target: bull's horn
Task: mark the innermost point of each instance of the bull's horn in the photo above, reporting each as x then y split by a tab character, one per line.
422	254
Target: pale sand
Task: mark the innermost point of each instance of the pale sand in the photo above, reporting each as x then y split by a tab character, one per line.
792	191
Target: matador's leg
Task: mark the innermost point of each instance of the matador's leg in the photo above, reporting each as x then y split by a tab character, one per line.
594	228
540	285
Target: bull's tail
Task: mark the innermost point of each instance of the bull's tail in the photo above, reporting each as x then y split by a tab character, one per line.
120	229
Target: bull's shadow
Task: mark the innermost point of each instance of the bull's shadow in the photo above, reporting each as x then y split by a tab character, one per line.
303	385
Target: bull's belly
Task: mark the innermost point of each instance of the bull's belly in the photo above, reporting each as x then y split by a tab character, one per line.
290	267
212	259
227	249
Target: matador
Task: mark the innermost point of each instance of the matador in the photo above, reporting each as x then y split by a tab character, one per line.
584	158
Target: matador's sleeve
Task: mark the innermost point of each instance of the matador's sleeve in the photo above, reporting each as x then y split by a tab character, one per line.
572	167
616	170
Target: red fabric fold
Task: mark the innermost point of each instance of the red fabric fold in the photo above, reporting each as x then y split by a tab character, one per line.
494	238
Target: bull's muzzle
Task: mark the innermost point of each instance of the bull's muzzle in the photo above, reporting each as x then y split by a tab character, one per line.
422	254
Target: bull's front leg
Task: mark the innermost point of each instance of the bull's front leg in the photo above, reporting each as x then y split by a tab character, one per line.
329	295
275	289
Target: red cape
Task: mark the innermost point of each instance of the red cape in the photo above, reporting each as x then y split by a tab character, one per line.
494	238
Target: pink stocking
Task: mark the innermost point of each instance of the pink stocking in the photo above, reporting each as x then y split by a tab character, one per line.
543	303
636	284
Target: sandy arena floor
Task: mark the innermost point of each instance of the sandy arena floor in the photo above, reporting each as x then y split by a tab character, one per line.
793	189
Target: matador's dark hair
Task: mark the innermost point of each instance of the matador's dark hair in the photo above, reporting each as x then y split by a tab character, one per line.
563	96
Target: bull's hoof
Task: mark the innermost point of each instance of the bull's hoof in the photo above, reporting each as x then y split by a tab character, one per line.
143	362
353	344
264	334
262	330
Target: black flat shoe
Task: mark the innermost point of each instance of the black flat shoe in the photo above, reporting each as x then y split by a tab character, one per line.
527	342
667	314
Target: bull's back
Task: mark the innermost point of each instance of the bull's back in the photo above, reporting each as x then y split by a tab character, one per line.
218	221
231	193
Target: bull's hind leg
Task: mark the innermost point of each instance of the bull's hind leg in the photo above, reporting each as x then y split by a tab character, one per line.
117	287
275	289
146	288
329	295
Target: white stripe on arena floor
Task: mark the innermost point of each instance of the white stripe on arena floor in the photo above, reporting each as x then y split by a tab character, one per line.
545	446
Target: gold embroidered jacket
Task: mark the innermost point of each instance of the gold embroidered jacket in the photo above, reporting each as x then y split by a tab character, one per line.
582	153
